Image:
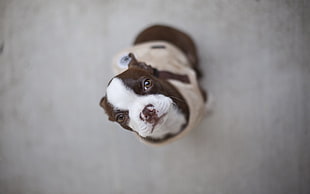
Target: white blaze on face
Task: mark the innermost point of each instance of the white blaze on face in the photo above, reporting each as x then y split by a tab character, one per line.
124	98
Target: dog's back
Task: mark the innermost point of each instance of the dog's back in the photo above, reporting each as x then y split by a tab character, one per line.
174	36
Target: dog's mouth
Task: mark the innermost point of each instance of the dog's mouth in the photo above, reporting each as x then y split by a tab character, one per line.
157	122
152	117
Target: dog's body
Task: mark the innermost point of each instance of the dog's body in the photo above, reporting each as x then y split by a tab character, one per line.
156	91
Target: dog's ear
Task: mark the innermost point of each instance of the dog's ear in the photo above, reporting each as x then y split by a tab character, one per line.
134	63
103	101
107	107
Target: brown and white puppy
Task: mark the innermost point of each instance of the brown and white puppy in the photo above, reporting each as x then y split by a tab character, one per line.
156	93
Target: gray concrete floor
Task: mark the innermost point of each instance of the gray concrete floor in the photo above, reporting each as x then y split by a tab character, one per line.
54	66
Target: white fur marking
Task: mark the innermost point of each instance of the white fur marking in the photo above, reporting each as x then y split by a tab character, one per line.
124	98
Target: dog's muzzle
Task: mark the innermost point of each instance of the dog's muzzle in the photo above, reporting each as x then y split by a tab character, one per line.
149	114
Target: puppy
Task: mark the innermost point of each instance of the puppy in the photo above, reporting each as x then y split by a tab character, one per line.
156	93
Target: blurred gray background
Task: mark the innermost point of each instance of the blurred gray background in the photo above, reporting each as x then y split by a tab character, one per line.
55	63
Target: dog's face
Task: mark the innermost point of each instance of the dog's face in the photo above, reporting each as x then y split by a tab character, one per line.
143	103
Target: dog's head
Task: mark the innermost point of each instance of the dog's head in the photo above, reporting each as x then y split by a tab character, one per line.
142	102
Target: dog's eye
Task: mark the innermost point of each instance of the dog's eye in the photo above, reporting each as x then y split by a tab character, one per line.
147	84
120	118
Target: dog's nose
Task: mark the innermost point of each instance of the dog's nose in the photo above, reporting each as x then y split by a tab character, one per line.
149	114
